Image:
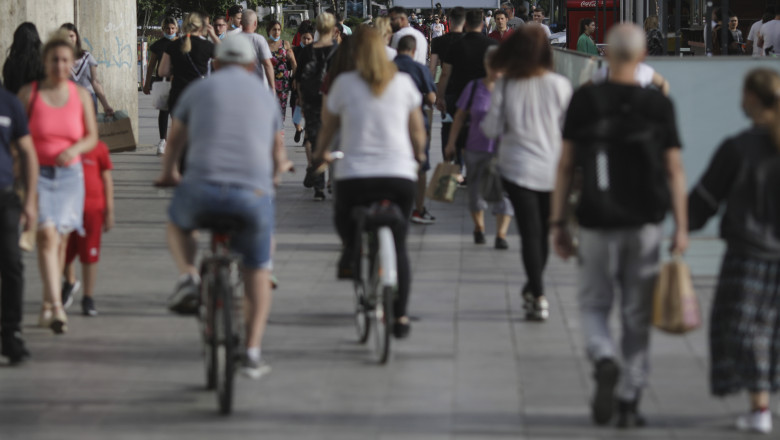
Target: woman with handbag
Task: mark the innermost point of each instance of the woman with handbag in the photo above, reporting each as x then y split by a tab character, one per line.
474	104
527	109
745	321
63	127
187	58
154	80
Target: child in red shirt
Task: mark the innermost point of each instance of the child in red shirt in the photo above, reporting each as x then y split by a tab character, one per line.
98	217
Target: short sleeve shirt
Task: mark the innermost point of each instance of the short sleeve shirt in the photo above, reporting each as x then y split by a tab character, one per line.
81	72
421	52
95	162
158	48
467	57
375	129
13	125
262	51
184	71
476	100
420	75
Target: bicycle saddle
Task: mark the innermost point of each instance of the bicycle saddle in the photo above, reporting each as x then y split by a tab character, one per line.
384	213
221	223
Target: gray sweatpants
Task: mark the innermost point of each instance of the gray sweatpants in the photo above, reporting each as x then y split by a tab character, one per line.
625	261
476	164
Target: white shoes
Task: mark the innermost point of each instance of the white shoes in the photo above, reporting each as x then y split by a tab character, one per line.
161	147
756	421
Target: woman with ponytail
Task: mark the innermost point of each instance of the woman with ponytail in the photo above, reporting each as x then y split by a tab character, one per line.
745	323
378	112
187	58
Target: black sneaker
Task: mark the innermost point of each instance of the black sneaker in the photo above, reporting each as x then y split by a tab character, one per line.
68	291
628	414
401	330
463	183
14	348
298	136
423	217
185	299
479	237
501	243
319	196
88	306
606	376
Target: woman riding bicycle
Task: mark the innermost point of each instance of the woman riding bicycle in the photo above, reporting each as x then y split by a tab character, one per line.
377	110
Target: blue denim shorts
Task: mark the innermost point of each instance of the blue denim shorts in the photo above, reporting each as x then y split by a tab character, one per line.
61	198
195	199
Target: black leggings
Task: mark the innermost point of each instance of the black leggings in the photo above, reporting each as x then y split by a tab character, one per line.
532	212
351	193
162	124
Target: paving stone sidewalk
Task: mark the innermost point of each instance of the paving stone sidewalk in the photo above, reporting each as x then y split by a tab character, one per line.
473	368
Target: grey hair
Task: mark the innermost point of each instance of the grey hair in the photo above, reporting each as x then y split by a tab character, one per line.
248	18
626	42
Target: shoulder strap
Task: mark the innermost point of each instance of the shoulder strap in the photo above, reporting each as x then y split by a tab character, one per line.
33	96
193	65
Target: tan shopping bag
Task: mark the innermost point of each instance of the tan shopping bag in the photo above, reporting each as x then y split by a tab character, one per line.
675	305
116	132
444	182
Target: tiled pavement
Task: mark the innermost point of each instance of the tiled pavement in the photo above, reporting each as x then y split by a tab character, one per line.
473	368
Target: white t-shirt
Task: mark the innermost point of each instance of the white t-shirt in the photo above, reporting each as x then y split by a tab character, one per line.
375	129
771	33
262	51
529	119
81	72
235	31
643	75
753	36
421	53
437	30
391	53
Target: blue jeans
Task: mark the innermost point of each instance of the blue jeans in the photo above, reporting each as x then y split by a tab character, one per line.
192	200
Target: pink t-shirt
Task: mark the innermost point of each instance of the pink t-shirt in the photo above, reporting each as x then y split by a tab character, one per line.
55	129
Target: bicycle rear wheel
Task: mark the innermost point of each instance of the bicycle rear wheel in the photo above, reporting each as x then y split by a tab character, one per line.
383	313
224	340
362	320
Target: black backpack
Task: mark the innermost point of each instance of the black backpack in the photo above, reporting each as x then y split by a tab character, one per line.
313	71
622	165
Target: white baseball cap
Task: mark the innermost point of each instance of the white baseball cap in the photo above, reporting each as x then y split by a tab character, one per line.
235	49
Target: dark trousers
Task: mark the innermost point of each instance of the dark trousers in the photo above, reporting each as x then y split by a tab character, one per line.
532	212
11	268
162	124
460	144
351	193
312	112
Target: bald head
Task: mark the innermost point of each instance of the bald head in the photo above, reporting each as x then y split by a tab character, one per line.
626	43
249	20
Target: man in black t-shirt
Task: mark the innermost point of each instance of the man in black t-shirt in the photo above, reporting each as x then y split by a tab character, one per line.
620	238
464	61
439	48
14	134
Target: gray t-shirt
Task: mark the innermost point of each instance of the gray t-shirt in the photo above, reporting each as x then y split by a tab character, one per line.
261	49
230	139
514	23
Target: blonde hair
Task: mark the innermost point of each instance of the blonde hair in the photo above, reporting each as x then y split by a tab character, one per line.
371	60
382	24
325	24
193	22
651	22
58	38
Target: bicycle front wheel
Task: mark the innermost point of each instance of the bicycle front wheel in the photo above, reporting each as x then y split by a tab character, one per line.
225	347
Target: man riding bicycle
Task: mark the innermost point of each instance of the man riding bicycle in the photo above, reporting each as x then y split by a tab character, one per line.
234	160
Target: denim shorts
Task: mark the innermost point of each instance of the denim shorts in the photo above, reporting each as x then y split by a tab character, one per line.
193	200
61	198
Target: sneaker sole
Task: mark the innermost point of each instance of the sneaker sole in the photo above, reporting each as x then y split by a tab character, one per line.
255	374
604	401
422	221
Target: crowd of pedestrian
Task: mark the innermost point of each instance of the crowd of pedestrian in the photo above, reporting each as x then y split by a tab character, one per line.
371	93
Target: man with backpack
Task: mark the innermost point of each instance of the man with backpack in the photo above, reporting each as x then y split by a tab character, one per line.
624	141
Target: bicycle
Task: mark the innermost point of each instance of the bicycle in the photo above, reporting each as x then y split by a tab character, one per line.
376	274
221	309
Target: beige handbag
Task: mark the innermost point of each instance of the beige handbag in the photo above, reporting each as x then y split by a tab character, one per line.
675	305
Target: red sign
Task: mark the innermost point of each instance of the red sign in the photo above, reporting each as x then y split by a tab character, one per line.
590	4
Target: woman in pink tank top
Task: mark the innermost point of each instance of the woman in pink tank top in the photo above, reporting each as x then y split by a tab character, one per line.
63	126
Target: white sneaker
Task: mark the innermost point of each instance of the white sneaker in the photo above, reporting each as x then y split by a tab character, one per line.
756	421
161	147
254	369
